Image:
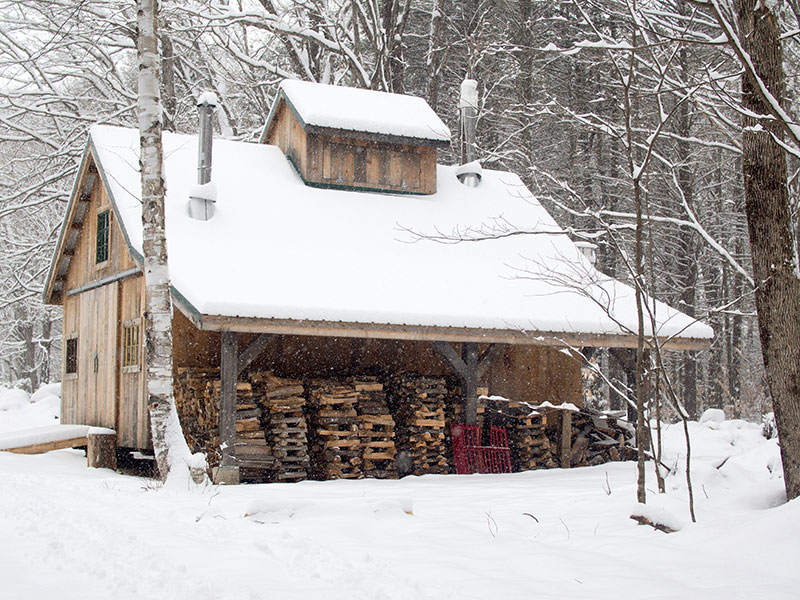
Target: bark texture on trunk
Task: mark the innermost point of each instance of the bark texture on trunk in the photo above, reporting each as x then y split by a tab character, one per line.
393	20
168	441
435	54
686	255
771	235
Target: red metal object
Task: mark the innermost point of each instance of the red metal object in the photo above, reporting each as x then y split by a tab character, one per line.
471	457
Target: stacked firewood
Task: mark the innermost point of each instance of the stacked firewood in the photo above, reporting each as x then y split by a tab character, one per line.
198	410
595	438
197	398
333	436
530	447
598	438
253	455
282	402
375	429
417	404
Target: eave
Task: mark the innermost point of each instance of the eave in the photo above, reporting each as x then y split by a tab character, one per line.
80	198
388	331
70	229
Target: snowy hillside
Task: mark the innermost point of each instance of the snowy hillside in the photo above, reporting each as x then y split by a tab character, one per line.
74	533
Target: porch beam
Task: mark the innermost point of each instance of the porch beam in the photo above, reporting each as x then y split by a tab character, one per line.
447	352
253	350
488	357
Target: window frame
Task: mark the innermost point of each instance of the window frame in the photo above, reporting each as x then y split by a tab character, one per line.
107	241
71	358
131	347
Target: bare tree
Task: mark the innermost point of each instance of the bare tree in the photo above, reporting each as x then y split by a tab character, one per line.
172	453
769	219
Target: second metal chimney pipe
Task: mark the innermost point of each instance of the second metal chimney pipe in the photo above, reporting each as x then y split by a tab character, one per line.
468	105
205	107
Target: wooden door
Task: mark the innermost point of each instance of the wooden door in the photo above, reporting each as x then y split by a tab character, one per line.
98	339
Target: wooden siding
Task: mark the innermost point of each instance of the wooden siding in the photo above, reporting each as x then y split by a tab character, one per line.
100	393
335	161
527	373
537	374
192	347
83	268
90	396
133	422
69	383
288	135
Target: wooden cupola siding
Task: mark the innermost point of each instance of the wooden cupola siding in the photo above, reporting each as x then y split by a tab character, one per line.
353	160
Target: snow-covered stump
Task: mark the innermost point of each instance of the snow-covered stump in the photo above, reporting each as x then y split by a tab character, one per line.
101	448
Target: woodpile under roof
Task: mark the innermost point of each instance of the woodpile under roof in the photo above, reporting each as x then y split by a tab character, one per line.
380	427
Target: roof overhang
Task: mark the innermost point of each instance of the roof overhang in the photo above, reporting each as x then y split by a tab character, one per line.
88	173
77	206
388	331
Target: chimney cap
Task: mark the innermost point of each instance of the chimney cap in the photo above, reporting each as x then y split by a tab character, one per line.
588	249
207	99
469	94
470	168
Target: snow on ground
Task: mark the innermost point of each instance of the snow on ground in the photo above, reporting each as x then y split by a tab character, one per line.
84	533
21	410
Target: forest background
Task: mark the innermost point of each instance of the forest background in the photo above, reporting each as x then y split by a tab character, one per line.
580	98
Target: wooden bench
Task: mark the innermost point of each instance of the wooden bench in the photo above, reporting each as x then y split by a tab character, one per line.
100	443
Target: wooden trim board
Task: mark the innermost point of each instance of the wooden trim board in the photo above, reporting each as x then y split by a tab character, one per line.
420	332
48	446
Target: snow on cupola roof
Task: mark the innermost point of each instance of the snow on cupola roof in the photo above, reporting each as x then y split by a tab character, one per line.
333	108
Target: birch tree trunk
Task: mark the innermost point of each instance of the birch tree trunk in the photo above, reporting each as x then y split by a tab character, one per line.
172	453
769	223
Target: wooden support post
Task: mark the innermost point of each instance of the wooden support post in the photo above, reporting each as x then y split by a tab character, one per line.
566	439
626	360
101	449
469	388
646	393
469	368
229	373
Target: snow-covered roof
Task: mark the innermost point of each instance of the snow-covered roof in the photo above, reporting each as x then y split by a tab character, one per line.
278	249
368	111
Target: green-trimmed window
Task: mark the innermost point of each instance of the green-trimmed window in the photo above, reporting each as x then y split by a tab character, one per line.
102	236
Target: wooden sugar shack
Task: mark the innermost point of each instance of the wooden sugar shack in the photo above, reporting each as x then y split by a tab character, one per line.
333	315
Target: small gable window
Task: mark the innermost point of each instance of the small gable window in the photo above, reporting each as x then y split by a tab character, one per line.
130	345
71	357
102	236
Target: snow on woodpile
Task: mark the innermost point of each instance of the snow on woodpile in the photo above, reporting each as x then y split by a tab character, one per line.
353	109
276	244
